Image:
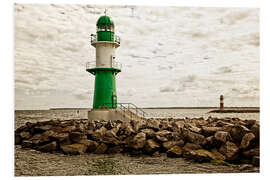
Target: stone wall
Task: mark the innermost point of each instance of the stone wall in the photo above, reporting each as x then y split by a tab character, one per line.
226	140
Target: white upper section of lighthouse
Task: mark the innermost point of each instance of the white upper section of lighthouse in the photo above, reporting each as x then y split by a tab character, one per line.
105	42
105	54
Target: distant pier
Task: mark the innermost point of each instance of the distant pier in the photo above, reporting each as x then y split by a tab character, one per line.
235	111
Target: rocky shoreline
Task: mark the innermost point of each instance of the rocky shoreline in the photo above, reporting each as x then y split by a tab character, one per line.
216	140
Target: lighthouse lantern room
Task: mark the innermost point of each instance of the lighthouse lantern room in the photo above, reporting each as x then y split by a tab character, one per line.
105	68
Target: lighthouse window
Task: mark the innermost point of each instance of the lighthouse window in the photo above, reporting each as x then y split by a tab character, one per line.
101	28
111	28
105	28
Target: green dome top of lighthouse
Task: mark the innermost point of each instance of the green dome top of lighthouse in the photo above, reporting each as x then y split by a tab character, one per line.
105	21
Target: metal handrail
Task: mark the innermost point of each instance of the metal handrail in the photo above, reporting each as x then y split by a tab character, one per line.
92	64
132	106
129	107
93	39
117	39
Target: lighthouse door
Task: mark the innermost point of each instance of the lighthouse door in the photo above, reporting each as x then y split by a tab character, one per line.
114	101
112	61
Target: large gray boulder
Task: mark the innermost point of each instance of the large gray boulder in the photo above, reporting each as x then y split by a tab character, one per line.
138	124
48	147
250	123
39	139
91	125
217	155
139	140
229	150
115	149
48	135
25	135
222	136
150	133
169	144
252	152
192	146
221	123
165	125
109	125
98	134
199	122
238	131
194	137
255	129
101	149
247	138
200	155
176	136
74	149
126	129
18	139
178	124
113	132
80	127
175	151
209	131
69	128
151	146
77	136
163	135
27	144
42	128
256	161
61	136
91	145
195	129
111	140
153	124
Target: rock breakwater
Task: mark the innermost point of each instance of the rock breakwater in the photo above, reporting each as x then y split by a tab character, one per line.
220	140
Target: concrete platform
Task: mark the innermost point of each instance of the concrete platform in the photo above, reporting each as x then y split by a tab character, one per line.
112	114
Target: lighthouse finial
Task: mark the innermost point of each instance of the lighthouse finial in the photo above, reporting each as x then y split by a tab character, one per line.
105	12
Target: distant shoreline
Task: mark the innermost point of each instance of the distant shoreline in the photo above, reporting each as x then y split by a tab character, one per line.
200	108
214	108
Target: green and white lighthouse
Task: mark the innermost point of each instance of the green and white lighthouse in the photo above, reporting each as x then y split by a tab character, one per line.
105	68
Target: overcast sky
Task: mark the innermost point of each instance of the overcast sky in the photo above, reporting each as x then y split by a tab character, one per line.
171	56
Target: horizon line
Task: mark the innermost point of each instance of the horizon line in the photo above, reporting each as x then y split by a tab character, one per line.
170	107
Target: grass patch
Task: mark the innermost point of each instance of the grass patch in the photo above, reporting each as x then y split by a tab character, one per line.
220	162
105	166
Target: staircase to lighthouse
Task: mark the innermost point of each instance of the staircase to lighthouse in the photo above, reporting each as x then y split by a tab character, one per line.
105	69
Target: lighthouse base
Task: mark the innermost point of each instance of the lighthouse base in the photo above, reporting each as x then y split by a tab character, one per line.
112	114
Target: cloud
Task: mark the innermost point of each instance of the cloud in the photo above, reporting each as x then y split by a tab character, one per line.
166	89
162	51
252	38
233	16
224	70
127	92
189	78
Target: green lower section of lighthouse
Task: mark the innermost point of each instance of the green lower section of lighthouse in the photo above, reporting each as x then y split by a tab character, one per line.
105	88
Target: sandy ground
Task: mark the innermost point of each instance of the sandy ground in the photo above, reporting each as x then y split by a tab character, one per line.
33	163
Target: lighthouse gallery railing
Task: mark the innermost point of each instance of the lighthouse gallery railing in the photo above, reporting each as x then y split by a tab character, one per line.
92	64
94	39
